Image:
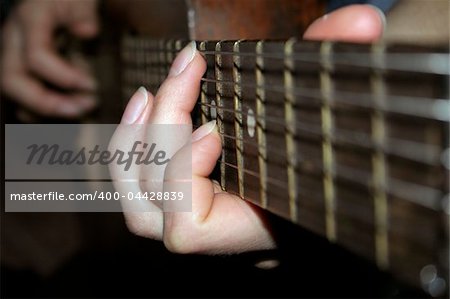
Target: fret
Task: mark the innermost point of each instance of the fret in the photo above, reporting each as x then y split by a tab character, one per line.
251	152
205	115
355	211
308	144
327	126
291	150
227	116
275	133
219	103
154	78
379	164
170	54
208	98
408	220
238	123
261	124
161	62
147	63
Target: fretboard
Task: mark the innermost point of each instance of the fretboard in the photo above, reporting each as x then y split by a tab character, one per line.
349	141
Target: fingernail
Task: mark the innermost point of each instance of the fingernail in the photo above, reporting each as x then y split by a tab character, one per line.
204	130
135	106
183	59
381	14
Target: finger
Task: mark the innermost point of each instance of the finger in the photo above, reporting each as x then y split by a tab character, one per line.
142	217
83	18
42	58
178	94
172	111
355	23
32	95
219	222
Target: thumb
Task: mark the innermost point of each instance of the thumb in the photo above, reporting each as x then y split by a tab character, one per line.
83	18
354	23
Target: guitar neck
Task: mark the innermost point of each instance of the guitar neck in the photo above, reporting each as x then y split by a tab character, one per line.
349	141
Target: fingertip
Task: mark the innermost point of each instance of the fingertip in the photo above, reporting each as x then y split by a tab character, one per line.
205	152
355	23
204	130
178	94
138	108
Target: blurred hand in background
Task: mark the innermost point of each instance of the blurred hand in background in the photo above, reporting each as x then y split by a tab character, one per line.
30	62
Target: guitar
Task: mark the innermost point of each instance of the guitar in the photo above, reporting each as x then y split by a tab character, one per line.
349	141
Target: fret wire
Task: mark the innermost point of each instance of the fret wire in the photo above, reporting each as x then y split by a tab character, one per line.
443	106
379	165
326	85
436	109
434	63
431	62
311	194
415	106
261	124
290	120
238	121
203	96
220	114
402	148
161	61
270	180
418	195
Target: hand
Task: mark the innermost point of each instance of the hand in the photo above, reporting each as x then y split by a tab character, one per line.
29	57
219	222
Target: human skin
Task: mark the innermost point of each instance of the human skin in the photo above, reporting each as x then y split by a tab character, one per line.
219	222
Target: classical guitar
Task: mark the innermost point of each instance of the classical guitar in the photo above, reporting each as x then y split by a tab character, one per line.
350	141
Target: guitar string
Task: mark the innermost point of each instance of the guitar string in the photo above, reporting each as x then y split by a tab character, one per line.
398	147
433	108
357	175
420	152
423	153
438	107
424	107
362	139
363	178
424	196
358	213
430	63
426	62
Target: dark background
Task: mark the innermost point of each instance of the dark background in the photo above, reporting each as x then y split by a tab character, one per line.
97	257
